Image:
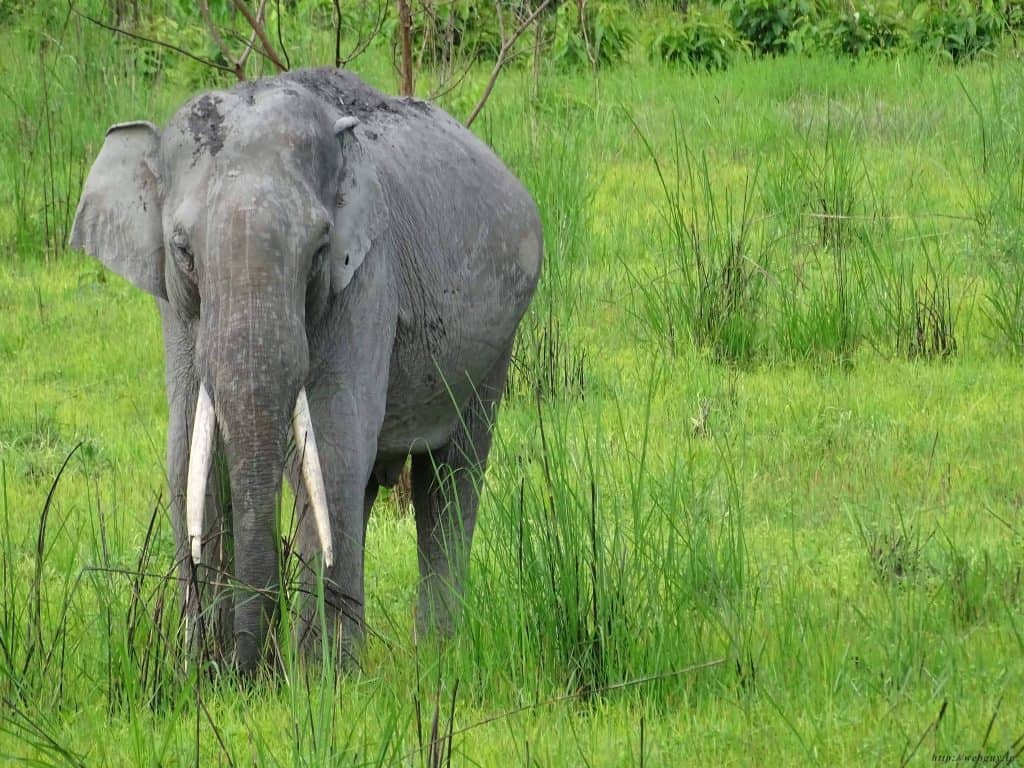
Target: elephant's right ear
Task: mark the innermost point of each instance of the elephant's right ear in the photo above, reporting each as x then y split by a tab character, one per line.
359	216
118	219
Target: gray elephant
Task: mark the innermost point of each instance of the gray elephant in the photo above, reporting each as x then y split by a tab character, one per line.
339	275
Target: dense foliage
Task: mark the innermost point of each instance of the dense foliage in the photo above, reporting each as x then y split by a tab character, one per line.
958	28
708	34
869	28
460	29
772	26
596	34
703	38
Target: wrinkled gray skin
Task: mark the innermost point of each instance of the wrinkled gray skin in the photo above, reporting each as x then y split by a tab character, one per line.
383	267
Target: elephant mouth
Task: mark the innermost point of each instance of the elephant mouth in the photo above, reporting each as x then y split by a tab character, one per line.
201	453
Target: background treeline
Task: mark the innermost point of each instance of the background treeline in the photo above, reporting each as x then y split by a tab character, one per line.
88	54
588	33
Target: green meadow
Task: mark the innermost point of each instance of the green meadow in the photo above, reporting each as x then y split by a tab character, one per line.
757	492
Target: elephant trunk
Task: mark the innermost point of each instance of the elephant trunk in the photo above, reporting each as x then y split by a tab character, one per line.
256	374
252	359
253	362
255	465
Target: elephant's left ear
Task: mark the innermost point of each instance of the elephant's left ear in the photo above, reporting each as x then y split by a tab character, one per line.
118	218
359	216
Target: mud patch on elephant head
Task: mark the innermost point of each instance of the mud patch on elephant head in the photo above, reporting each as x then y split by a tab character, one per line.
206	123
344	91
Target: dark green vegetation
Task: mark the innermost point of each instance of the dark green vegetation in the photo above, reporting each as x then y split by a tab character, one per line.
765	415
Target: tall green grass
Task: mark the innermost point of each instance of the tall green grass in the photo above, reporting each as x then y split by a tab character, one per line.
755	489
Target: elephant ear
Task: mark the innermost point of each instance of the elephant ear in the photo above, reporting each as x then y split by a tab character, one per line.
118	218
359	216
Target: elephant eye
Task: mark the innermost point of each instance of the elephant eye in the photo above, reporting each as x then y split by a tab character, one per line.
182	253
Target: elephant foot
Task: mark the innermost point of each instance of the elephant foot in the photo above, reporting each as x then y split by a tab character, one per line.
438	608
330	634
207	622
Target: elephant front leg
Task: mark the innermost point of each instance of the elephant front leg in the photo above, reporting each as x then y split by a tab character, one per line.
206	606
338	619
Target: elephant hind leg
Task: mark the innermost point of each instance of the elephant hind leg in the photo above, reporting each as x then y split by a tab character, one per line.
446	485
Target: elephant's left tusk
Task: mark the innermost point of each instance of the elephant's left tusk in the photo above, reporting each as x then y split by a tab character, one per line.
199	457
305	441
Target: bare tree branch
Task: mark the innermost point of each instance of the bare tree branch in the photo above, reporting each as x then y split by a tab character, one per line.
442	40
582	6
499	63
501	20
252	39
362	43
428	28
257	49
257	27
444	87
280	38
250	46
237	67
337	33
149	40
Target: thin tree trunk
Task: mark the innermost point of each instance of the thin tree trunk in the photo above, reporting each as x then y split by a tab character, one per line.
538	45
405	30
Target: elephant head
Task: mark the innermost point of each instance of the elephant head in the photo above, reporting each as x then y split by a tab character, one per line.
247	214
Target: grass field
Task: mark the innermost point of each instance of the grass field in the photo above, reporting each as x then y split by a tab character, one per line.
757	491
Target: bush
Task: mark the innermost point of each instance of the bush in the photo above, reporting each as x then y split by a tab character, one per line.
596	34
958	29
772	26
702	39
1012	12
865	28
449	30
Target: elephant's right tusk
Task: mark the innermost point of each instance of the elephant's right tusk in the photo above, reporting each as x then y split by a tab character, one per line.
198	470
305	442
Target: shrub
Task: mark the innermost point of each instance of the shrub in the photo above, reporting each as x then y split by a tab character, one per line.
702	39
1012	12
772	26
595	33
709	290
857	29
449	30
546	364
958	29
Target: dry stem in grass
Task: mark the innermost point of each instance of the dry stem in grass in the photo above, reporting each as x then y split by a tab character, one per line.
507	42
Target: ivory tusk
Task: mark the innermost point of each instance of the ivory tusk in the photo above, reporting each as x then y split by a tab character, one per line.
305	442
200	454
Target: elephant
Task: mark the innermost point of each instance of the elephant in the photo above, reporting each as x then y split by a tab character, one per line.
339	275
